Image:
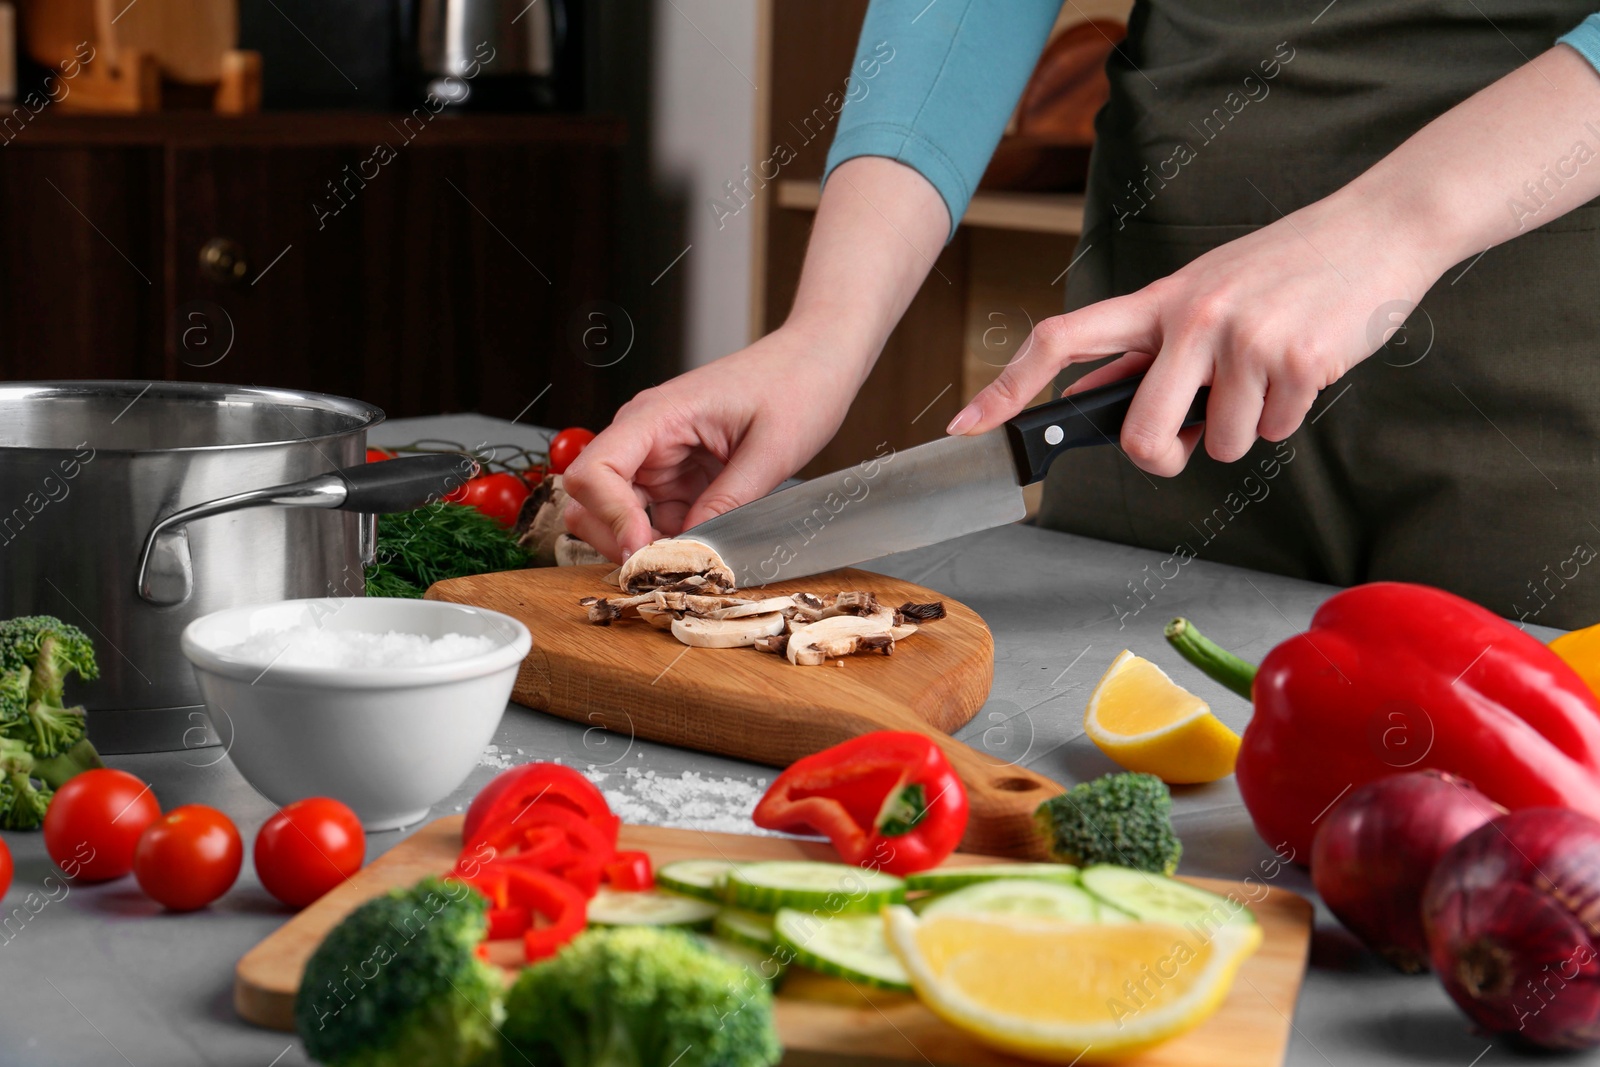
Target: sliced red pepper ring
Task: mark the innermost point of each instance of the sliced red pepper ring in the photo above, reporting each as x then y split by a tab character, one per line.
506	798
516	836
630	872
517	894
888	800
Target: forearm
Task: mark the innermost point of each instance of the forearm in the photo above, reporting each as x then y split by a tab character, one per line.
1512	157
878	230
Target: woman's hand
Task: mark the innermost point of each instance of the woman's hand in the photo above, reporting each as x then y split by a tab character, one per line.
706	442
1266	321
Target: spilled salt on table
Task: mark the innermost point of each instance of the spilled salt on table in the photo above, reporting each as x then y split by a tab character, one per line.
689	801
307	645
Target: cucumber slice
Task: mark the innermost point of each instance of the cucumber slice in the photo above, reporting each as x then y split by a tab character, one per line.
695	878
1020	896
834	888
763	965
649	907
846	946
1157	898
944	879
749	928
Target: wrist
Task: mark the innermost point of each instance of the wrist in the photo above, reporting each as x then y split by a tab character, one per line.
834	341
1411	214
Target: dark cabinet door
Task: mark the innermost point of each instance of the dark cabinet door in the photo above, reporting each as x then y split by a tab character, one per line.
419	278
81	282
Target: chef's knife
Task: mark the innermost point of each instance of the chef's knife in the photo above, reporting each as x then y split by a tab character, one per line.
897	501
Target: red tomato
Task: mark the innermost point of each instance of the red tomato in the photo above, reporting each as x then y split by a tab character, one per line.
309	847
94	822
565	446
188	857
378	455
5	867
531	782
498	496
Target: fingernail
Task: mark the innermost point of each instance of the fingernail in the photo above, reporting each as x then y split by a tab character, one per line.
968	416
626	553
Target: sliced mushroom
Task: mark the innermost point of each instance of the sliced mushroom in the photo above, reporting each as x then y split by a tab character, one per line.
545	527
835	637
923	612
571	552
901	631
726	633
604	612
777	644
676	563
809	606
660	618
851	603
753	607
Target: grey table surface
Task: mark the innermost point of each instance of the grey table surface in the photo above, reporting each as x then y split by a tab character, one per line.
100	975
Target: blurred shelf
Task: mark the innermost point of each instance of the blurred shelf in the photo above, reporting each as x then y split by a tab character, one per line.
54	129
1060	213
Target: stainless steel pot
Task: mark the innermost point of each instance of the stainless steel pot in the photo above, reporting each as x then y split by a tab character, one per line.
133	508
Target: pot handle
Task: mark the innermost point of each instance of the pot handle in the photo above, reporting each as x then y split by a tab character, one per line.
166	571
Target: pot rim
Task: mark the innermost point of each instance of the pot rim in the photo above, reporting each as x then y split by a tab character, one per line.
366	415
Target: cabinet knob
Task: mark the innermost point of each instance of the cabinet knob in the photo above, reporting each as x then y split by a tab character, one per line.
223	261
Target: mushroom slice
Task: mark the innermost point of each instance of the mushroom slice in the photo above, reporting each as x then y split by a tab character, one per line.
902	631
658	617
923	612
835	637
808	606
777	644
572	552
726	633
851	603
675	563
705	605
752	607
604	612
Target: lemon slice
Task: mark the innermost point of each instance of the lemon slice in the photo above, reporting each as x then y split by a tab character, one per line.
1057	991
1147	722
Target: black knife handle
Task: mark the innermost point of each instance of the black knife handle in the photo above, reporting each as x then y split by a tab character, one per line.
1041	433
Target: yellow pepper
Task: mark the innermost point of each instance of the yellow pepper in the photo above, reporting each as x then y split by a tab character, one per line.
1580	650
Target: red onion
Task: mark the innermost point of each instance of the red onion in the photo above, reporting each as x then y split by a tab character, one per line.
1513	916
1373	853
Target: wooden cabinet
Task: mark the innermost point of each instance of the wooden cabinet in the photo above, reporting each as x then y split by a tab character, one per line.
437	268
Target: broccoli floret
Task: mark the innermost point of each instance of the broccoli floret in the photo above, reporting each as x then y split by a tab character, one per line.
640	997
399	983
1124	819
37	654
22	800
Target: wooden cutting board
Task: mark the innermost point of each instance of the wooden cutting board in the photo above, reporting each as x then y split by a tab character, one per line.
819	1016
640	681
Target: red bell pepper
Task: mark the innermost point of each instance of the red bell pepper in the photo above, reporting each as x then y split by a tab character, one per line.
888	800
1394	677
510	794
630	872
517	893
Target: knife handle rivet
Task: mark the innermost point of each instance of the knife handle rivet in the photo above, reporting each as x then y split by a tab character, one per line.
1053	435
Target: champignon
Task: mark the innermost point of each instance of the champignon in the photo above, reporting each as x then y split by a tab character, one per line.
547	501
677	563
923	612
753	607
571	552
726	633
835	637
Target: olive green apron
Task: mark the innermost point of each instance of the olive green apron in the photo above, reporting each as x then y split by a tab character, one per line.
1466	453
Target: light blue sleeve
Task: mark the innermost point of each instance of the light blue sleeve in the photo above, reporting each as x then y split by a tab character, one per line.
934	84
1585	39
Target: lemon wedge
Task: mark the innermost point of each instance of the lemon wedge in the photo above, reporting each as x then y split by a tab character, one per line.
1147	722
1057	991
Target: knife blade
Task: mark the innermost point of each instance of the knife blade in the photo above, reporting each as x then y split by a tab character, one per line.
900	500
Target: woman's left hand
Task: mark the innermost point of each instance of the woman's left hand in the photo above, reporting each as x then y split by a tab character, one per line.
1267	321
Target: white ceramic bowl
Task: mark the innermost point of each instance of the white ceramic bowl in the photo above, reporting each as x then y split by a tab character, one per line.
390	743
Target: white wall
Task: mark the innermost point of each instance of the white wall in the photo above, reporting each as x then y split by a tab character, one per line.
702	123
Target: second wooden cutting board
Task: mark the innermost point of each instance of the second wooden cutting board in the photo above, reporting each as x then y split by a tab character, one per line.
738	702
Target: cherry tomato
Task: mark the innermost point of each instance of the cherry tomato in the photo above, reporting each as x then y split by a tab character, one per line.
566	445
5	867
188	857
309	847
498	496
378	455
94	823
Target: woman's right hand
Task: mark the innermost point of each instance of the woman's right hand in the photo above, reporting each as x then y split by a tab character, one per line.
708	441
